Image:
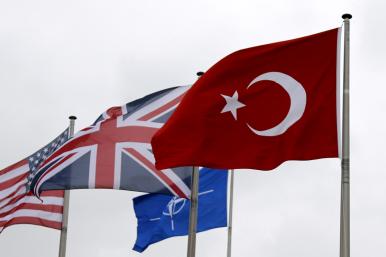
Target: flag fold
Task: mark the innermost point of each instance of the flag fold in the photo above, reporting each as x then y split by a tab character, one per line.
115	152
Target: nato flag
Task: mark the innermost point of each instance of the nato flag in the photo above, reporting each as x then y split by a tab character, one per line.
162	216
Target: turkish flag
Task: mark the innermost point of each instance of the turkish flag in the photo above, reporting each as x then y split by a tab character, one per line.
257	108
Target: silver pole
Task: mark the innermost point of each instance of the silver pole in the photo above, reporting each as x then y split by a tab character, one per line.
345	183
193	206
193	213
66	203
229	245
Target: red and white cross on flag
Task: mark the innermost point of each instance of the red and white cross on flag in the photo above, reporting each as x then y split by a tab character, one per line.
115	152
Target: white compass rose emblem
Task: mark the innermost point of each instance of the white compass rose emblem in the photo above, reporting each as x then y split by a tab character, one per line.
175	206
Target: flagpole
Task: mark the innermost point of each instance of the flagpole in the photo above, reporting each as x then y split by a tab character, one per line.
66	203
345	179
193	206
193	213
229	245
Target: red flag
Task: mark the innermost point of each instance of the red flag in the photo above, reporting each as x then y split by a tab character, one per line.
257	108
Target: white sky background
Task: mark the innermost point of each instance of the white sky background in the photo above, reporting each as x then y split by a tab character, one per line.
61	58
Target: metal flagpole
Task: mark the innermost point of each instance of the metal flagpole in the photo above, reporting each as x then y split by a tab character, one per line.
345	183
193	206
63	233
193	213
229	245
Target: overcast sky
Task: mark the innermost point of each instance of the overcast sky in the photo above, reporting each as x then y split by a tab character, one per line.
61	58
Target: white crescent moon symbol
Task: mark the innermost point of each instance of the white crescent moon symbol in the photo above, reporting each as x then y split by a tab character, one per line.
298	100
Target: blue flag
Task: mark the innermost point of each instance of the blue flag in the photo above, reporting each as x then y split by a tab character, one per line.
162	216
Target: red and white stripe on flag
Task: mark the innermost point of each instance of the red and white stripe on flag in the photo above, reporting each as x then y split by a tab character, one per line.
17	206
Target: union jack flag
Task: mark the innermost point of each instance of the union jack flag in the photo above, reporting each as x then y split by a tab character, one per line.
115	152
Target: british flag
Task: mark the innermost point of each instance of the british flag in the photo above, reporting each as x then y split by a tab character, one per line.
115	152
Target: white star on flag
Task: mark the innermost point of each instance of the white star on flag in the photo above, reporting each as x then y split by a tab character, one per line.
232	104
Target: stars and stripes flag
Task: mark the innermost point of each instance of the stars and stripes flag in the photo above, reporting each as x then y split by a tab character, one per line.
18	205
115	152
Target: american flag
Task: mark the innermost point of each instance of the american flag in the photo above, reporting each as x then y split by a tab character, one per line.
18	205
115	152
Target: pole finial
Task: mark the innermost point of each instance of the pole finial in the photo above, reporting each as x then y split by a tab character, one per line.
72	117
200	73
346	16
